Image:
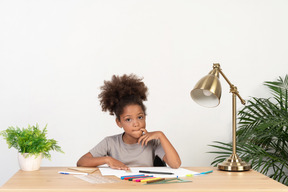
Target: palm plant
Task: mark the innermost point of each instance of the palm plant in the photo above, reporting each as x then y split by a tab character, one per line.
262	136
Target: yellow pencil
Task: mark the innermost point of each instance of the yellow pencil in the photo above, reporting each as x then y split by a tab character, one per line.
151	179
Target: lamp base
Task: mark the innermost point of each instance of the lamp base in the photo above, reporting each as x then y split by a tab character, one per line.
234	163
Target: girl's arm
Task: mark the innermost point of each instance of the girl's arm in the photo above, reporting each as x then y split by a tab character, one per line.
171	156
88	160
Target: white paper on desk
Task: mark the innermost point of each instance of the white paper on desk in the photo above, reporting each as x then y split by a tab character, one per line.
180	172
109	171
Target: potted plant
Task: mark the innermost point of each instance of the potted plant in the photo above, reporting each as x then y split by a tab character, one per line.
31	144
262	136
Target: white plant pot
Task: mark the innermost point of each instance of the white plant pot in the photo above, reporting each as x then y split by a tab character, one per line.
29	163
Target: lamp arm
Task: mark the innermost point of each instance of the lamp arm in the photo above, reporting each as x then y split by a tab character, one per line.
233	88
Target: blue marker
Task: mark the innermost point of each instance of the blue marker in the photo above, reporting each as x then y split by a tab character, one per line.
72	173
122	177
202	173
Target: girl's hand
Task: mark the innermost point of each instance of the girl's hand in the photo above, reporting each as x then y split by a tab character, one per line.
171	156
115	164
148	136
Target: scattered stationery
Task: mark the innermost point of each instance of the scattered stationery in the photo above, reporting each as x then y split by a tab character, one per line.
180	172
151	175
145	175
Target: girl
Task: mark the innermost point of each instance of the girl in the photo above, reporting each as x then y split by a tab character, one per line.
123	97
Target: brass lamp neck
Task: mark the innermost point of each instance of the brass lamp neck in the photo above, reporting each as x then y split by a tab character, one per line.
233	88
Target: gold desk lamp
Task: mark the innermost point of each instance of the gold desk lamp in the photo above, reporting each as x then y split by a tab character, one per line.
207	93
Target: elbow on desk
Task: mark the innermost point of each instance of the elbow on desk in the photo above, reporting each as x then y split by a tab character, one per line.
175	165
81	163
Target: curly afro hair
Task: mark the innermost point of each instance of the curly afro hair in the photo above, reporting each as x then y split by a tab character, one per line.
122	91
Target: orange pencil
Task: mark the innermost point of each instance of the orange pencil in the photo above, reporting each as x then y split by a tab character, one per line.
155	180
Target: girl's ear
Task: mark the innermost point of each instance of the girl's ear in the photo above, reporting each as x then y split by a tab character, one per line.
118	123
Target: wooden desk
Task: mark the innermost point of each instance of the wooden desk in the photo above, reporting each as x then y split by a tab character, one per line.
49	180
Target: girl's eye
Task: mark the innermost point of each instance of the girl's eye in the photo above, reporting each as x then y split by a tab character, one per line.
140	117
128	120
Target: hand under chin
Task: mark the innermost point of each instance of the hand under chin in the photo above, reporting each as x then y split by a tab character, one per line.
138	134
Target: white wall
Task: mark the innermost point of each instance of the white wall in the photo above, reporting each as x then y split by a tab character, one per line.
54	56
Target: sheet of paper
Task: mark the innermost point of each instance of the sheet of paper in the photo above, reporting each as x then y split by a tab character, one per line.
109	171
180	172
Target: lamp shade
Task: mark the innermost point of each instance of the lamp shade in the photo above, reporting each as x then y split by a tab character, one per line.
207	91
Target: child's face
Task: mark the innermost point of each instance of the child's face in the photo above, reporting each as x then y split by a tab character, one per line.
132	120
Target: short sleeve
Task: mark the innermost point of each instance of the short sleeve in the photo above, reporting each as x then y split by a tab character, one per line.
101	149
159	150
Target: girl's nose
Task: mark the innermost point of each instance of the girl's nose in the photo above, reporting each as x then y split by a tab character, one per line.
136	123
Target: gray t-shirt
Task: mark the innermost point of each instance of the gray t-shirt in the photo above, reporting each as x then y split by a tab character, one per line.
133	155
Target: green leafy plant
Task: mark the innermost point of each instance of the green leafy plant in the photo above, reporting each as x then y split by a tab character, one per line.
30	140
262	136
